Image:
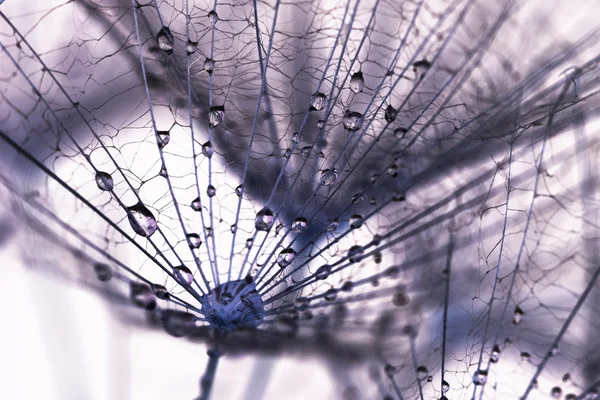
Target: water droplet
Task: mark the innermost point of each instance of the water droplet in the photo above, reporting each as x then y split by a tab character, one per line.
330	294
357	198
400	133
104	181
103	272
352	121
390	114
321	154
249	243
518	315
142	221
571	396
177	323
374	178
332	225
525	356
213	16
299	225
377	257
495	354
329	177
393	170
556	392
422	372
392	271
553	351
191	47
208	150
286	257
183	275
238	190
445	387
264	219
164	137
317	101
296	137
216	115
399	196
429	378
320	124
196	205
195	240
355	253
400	299
347	286
421	67
480	377
211	191
357	82
142	296
165	40
160	291
287	153
376	240
209	231
356	221
163	172
566	377
305	151
233	228
390	370
209	65
323	272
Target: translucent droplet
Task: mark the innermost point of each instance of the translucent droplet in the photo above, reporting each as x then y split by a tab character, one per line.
323	272
178	323
357	198
183	275
330	294
400	133
287	153
374	178
163	172
191	47
393	170
390	370
377	257
142	221
329	177
249	243
232	228
216	115
553	351
332	225
164	137
299	225
400	299
142	296
390	114
445	387
305	151
376	240
104	181
209	231
352	121
195	240
525	356
356	221
211	191
264	219
571	396
196	205
347	286
429	378
213	17
160	291
165	40
208	150
321	154
296	137
421	67
556	392
480	377
355	253
566	377
422	372
357	82
317	101
320	124
209	65
495	354
518	315
103	272
238	190
286	257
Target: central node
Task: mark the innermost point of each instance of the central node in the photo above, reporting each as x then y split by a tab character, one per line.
233	305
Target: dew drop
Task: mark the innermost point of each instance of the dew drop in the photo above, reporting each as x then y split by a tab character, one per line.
566	377
104	181
209	65
317	101
377	257
142	296
213	17
208	150
357	198
299	225
347	286
211	191
264	219
390	370
332	225
305	151
393	170
480	377
216	115
191	47
329	177
164	137
183	275
177	323
390	114
196	205
421	67
525	356
352	121
356	221
518	315
320	124
357	82
103	272
330	294
163	172
165	40
400	133
556	392
296	137
233	228
238	190
400	299
323	272
445	387
286	257
355	253
495	354
571	396
422	372
160	291
195	240
142	221
249	243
